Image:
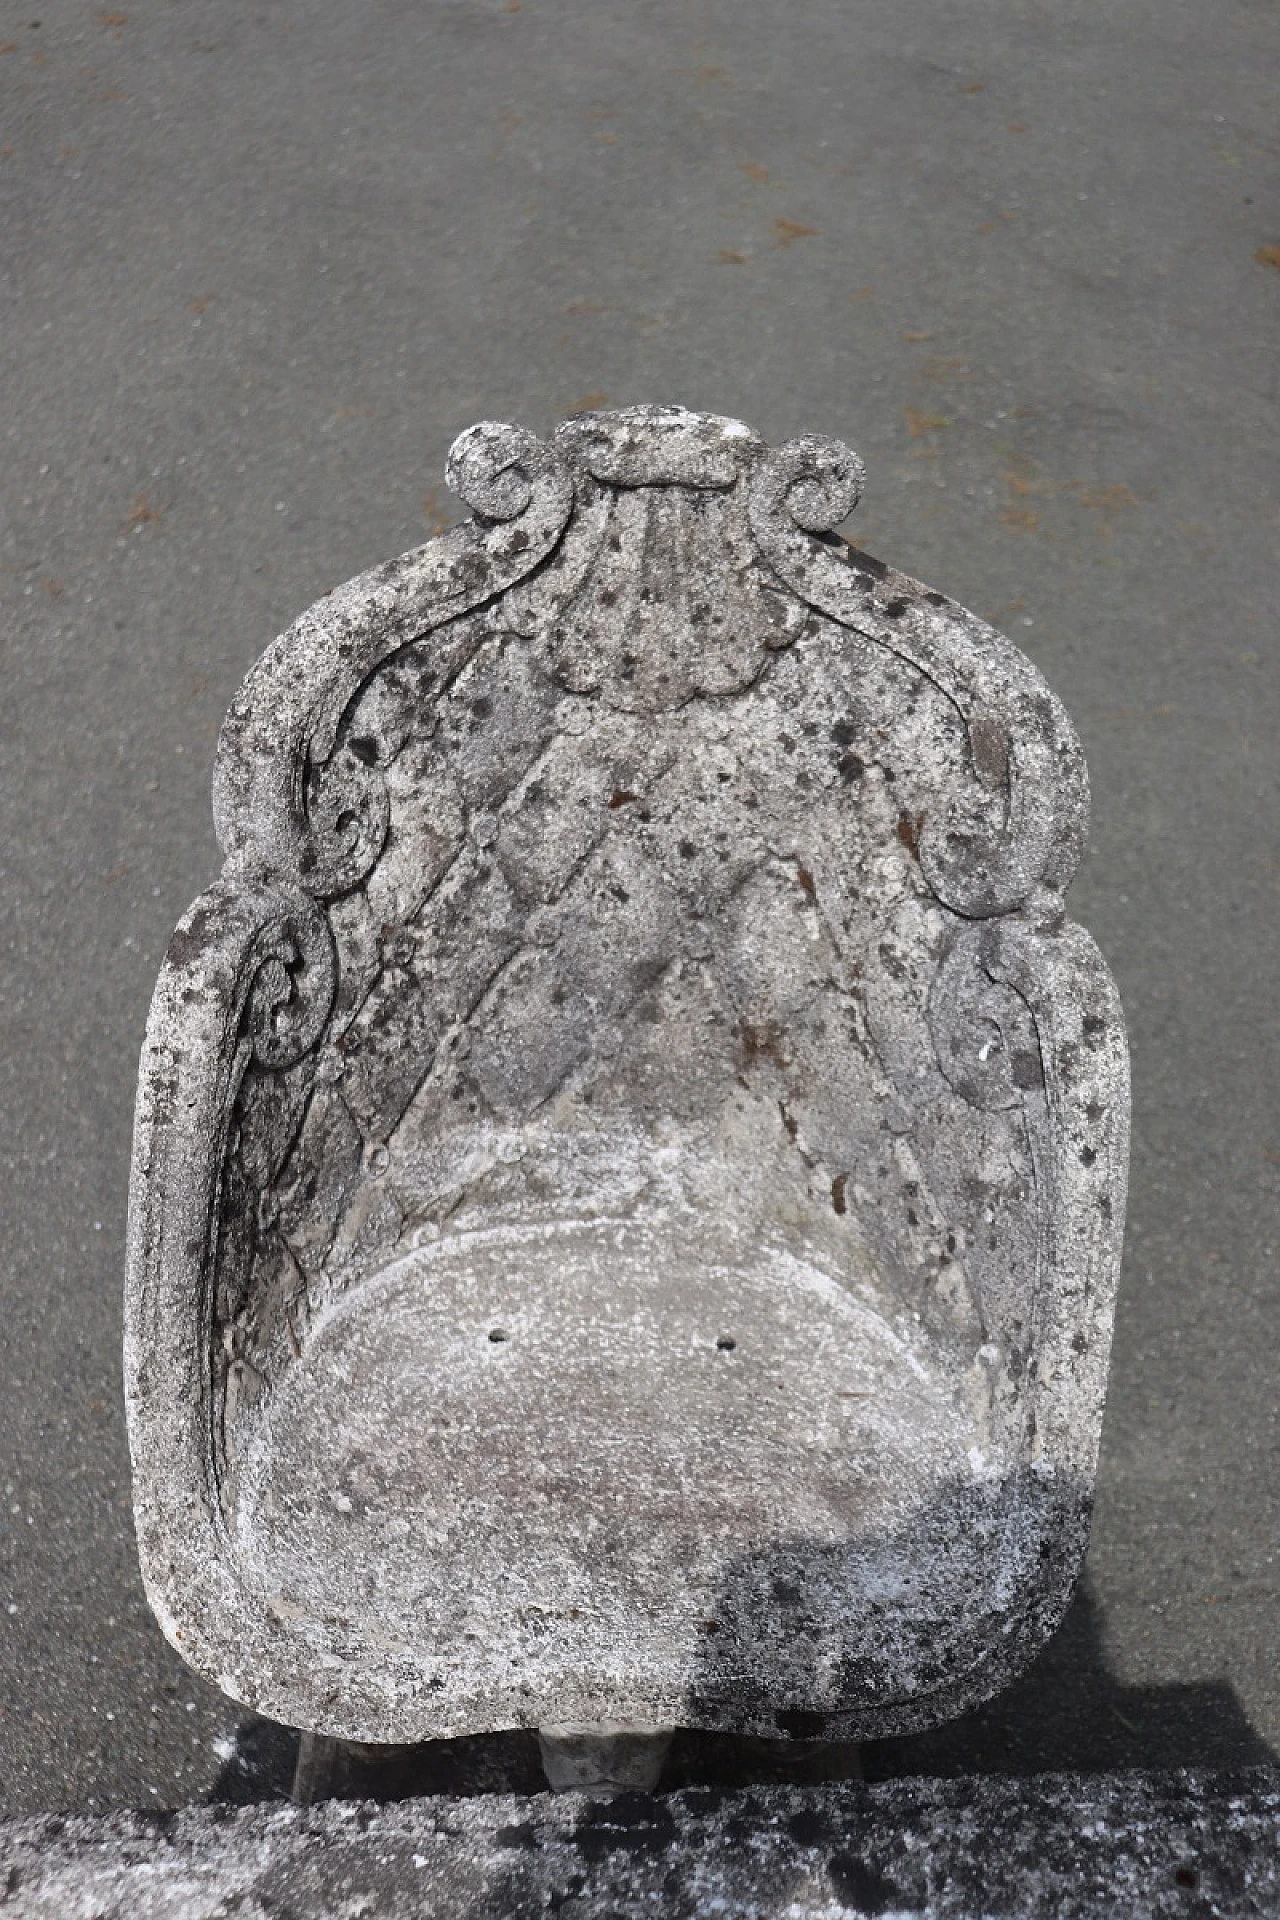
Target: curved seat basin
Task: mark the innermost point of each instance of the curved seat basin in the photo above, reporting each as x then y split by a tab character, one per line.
580	1455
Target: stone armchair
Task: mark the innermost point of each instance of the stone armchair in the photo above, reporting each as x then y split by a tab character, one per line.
630	1156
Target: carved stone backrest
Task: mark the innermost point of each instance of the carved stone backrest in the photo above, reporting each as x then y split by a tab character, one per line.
637	841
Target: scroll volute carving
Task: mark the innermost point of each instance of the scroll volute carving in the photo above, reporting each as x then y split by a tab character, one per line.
1024	822
288	799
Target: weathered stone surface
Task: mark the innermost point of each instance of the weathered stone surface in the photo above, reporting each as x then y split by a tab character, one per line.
1059	1847
630	1156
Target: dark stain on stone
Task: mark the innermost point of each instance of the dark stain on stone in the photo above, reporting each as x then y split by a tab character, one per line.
908	830
860	1886
809	1827
525	1836
990	747
365	749
1027	1071
890	962
189	942
762	1042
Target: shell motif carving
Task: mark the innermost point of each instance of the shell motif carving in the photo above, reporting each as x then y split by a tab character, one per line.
670	601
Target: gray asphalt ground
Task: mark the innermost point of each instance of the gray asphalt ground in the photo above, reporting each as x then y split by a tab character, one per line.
261	263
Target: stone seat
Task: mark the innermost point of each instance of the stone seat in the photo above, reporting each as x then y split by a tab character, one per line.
630	1156
559	1411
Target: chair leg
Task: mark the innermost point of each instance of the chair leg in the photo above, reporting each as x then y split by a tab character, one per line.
608	1757
324	1770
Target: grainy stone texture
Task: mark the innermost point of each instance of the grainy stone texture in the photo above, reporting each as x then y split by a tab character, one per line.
1059	1846
630	1157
